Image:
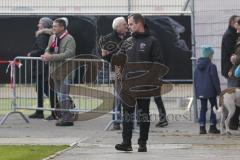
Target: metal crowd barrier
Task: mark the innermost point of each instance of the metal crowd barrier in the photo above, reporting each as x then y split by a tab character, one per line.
179	101
91	95
7	101
91	89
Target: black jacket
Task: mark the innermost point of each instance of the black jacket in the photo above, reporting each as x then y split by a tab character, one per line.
228	46
38	49
112	43
40	43
142	47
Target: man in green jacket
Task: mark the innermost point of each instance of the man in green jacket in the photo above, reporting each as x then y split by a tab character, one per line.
61	46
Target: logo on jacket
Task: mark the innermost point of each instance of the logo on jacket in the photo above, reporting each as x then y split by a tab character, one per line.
142	46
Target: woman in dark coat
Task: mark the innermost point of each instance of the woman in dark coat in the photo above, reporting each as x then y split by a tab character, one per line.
40	68
235	60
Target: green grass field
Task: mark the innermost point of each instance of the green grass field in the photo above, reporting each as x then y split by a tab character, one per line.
28	152
82	103
86	98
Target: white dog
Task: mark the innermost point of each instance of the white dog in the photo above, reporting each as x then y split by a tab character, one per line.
228	100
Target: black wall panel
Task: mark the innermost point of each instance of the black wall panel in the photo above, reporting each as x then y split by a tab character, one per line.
174	33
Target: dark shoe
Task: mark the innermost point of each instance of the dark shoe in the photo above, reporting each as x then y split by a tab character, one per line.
62	123
161	124
233	127
51	117
234	122
214	130
142	148
124	147
116	127
202	130
36	115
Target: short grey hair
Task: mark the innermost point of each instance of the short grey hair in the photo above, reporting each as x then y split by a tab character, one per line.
46	22
117	21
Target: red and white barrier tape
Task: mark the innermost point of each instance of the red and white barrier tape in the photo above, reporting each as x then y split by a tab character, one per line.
11	65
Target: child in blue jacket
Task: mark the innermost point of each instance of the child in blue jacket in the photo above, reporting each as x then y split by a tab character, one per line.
207	87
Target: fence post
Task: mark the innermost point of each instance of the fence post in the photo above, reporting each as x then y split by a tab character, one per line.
195	108
129	6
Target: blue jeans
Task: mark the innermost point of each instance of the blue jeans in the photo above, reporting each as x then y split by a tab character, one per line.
203	111
233	83
62	89
161	108
116	116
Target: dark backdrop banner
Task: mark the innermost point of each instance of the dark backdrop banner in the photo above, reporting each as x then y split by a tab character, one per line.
173	32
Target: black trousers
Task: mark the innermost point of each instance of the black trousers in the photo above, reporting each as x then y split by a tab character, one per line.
43	88
142	117
234	121
161	108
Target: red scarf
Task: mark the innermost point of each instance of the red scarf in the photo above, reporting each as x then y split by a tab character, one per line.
54	47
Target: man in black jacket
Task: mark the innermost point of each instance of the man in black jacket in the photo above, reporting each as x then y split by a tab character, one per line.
140	47
110	45
228	46
41	69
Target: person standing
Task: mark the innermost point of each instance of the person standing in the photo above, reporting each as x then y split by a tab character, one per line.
140	47
41	69
207	88
110	45
229	40
61	46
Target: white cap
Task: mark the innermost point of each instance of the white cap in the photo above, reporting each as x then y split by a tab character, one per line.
65	19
